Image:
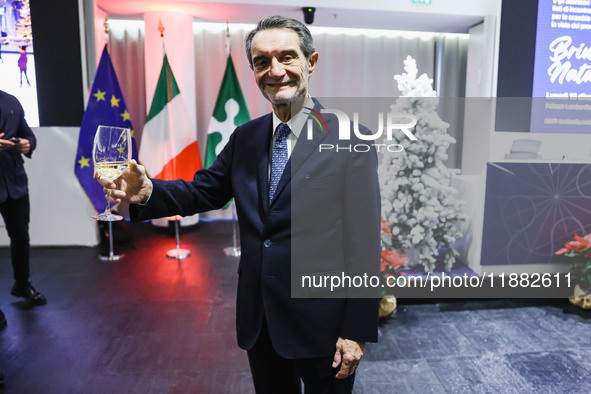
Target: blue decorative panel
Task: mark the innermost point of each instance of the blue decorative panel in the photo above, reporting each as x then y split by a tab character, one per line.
532	209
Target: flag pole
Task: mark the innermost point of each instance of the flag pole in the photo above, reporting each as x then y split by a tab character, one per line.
111	256
233	250
227	38
161	30
106	26
177	253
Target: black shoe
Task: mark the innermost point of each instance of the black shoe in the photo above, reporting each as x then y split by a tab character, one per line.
29	293
2	320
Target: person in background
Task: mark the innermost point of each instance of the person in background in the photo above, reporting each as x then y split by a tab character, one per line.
22	65
16	140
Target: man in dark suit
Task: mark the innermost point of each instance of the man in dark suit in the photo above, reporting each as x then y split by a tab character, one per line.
16	139
302	213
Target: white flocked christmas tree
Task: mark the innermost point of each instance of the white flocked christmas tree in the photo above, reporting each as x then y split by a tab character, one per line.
419	206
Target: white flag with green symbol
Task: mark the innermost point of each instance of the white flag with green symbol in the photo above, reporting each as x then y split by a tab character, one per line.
230	111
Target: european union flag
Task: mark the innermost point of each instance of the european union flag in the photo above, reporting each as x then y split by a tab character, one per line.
105	107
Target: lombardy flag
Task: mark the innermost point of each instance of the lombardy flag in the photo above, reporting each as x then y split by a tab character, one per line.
169	147
229	112
105	107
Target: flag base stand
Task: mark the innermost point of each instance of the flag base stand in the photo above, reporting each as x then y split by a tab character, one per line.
177	253
111	256
233	251
185	221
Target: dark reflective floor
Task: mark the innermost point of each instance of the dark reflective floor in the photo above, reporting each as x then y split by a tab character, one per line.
148	324
145	324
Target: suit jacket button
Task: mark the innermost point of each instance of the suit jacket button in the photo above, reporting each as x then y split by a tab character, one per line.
267	243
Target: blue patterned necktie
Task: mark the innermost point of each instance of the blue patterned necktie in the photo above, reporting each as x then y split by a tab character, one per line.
278	158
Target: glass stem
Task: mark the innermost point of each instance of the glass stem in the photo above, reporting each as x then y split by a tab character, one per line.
108	207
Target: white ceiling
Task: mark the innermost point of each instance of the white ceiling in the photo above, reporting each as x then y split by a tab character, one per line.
419	18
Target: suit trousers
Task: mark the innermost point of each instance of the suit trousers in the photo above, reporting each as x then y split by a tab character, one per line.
16	215
273	374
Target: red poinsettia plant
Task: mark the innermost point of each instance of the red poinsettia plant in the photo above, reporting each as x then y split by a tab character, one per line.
579	250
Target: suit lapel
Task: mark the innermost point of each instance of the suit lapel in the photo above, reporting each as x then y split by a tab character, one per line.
302	151
263	146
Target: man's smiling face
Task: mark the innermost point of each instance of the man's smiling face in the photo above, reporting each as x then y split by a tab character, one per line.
280	66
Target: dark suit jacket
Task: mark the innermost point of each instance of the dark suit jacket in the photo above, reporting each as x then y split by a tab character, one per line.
325	218
13	179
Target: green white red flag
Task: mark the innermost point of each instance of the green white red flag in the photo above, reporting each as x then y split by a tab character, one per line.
169	147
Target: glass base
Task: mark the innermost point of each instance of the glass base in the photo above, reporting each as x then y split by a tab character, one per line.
232	251
107	217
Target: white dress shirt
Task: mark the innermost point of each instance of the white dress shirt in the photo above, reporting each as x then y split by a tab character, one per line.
296	124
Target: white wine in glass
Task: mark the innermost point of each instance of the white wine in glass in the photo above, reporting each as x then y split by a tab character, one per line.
111	154
111	171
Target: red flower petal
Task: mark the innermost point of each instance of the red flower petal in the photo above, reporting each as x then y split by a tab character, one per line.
393	258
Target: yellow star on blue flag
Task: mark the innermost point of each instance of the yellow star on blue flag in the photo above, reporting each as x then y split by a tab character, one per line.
125	115
99	95
101	111
84	162
114	101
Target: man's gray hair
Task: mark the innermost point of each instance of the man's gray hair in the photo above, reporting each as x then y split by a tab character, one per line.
282	22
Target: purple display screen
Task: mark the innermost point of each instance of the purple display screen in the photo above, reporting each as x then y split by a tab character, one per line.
561	89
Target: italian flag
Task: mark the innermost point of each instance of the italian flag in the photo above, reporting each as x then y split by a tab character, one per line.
229	112
169	147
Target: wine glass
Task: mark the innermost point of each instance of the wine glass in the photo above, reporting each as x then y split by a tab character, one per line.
111	154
